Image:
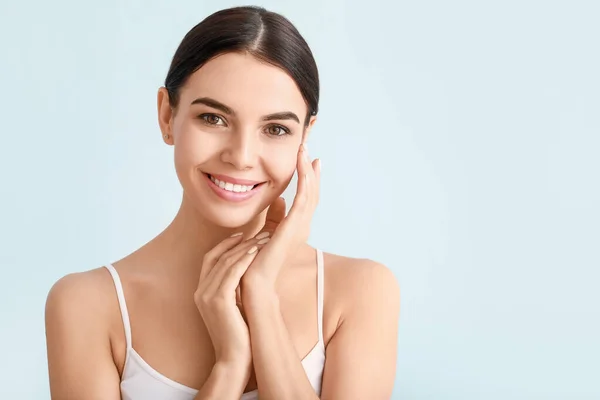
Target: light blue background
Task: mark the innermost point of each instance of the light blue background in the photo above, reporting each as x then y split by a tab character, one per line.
460	146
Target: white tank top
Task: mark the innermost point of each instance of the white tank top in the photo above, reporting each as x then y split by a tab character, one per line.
142	382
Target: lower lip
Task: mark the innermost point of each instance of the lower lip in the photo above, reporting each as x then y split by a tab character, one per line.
232	196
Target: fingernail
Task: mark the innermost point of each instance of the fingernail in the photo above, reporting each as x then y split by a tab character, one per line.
306	155
237	234
262	235
263	241
252	250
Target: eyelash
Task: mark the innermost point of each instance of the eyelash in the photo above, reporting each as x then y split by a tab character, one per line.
285	130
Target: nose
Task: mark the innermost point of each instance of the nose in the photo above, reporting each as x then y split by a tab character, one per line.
241	150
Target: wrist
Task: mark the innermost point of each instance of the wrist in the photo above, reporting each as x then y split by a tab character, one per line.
240	368
226	381
257	291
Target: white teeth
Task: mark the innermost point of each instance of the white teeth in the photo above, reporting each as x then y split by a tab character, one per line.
230	186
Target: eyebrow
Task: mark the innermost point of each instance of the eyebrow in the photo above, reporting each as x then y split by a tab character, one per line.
207	101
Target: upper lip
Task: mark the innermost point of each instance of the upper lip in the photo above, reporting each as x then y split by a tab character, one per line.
235	181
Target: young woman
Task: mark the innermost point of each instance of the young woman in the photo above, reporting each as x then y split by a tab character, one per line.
229	301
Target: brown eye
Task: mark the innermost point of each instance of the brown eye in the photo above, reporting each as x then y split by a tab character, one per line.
211	119
277	130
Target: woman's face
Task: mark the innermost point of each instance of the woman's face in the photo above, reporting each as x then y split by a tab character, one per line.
240	121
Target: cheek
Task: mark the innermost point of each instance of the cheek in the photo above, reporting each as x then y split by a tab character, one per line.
281	164
192	147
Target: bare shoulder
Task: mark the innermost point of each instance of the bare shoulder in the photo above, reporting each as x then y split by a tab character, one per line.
358	283
81	296
361	354
356	269
78	321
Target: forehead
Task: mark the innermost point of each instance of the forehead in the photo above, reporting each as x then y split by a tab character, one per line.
250	87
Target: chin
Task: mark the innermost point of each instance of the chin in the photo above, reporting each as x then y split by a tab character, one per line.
227	214
230	218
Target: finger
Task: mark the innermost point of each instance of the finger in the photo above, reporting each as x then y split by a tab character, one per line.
317	182
234	253
319	171
264	239
227	260
313	182
260	237
310	185
275	214
211	257
305	179
301	201
234	274
300	197
304	203
231	257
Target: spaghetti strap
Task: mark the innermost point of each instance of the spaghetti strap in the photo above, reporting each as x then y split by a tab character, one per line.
122	304
320	290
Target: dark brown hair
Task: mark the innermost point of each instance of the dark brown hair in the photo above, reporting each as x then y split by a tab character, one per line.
266	35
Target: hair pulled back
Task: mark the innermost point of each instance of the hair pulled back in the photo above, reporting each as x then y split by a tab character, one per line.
266	35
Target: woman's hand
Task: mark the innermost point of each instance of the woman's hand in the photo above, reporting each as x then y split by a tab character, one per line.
287	233
215	297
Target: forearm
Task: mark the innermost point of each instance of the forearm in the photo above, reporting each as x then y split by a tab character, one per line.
279	371
225	382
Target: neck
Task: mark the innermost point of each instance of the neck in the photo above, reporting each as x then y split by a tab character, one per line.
190	236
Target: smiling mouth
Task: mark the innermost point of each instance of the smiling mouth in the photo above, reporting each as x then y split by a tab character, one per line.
234	188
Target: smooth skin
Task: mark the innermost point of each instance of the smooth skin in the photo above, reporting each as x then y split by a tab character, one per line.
181	286
215	298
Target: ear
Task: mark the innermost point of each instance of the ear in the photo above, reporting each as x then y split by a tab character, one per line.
306	133
165	115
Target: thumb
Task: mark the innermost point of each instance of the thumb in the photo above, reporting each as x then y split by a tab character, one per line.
275	214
